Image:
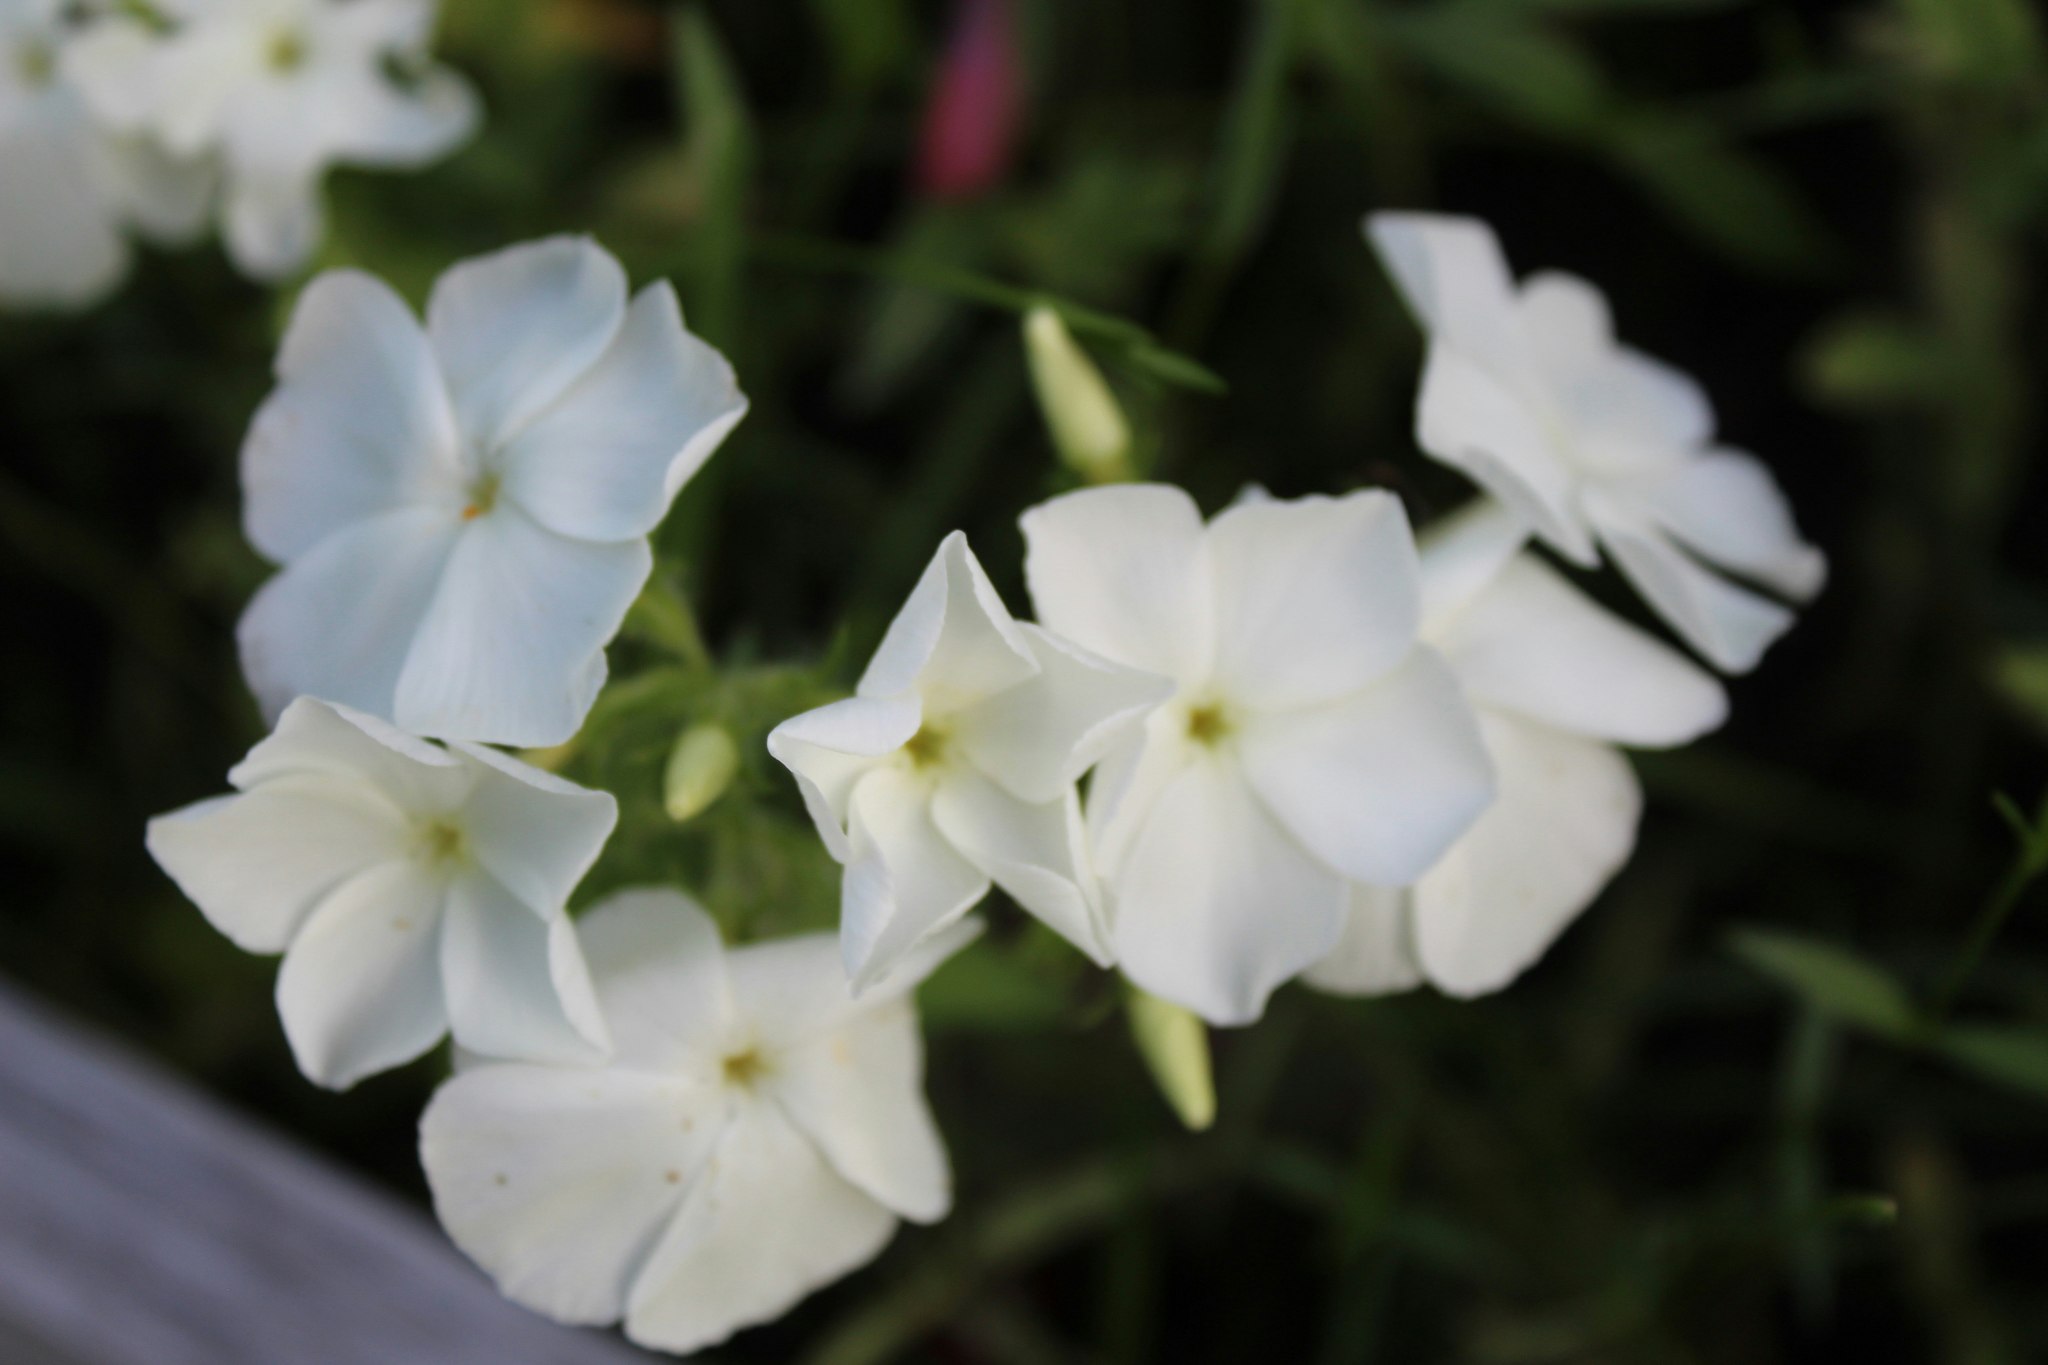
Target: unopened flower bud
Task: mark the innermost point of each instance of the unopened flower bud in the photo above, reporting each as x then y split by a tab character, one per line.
700	768
1175	1045
1087	426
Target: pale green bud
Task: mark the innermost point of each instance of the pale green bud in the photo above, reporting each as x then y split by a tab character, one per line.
700	768
1175	1045
1088	428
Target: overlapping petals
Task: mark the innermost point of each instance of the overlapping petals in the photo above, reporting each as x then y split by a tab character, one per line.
953	767
462	510
1595	445
413	890
1311	740
756	1134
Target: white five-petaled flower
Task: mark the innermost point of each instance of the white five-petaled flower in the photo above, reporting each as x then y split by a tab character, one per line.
1595	444
462	511
954	765
278	90
1557	682
1310	740
756	1134
413	890
69	188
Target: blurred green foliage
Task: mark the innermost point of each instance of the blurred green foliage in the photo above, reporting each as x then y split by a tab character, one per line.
1781	1096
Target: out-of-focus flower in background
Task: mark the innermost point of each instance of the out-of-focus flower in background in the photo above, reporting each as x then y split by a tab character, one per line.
1557	682
756	1135
976	108
462	510
279	91
1595	444
413	890
70	189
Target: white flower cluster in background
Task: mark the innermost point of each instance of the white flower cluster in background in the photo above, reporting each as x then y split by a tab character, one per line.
155	118
1289	741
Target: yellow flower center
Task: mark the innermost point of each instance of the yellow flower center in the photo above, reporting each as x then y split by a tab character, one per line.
36	63
927	748
443	841
1209	724
483	496
286	51
745	1068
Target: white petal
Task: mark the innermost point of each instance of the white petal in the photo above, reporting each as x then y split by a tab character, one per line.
1315	597
849	1075
515	329
953	642
768	1223
904	882
1533	644
168	198
1617	392
410	126
1462	553
1038	737
659	968
1035	851
1137	769
1376	955
110	63
339	621
1726	507
1215	905
791	994
512	649
604	461
535	833
1123	571
1471	421
514	979
59	242
558	1181
316	739
272	223
1456	281
1378	784
257	863
359	423
1731	626
360	989
831	748
1563	825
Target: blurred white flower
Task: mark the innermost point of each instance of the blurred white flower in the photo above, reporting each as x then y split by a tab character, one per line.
1310	741
462	511
1595	444
70	189
1557	682
756	1135
954	765
413	890
280	90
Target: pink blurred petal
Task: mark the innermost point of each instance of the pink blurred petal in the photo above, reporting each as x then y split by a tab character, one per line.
977	103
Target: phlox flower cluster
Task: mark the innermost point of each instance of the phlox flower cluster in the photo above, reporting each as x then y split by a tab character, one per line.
155	118
1290	740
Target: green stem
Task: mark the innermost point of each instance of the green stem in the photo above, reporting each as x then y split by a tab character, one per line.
2027	865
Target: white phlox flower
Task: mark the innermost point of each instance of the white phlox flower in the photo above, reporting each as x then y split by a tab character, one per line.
1310	740
462	510
756	1134
1597	445
279	91
70	190
953	766
414	891
1558	682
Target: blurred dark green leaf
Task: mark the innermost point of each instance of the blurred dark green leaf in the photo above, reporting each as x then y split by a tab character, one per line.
1839	983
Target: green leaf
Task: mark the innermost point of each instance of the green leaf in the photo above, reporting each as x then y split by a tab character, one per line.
718	156
2020	674
994	989
1837	982
1727	198
1520	66
1871	361
2011	1056
1988	42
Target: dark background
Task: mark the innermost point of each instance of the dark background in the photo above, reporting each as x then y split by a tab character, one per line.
1658	1145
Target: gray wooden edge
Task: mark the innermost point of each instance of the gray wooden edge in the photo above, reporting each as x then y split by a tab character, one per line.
142	1223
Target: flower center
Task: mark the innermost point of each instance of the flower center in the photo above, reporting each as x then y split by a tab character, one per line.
286	51
745	1068
442	842
483	496
1209	724
36	62
927	748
